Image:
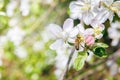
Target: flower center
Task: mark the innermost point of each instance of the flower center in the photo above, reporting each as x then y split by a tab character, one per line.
80	38
114	9
86	7
97	31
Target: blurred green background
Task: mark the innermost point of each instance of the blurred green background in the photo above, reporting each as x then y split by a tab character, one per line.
28	58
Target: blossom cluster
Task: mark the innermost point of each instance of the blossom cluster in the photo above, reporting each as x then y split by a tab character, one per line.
92	15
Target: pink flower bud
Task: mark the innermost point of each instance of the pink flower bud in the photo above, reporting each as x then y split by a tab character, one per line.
89	40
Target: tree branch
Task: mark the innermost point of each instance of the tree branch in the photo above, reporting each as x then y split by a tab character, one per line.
67	65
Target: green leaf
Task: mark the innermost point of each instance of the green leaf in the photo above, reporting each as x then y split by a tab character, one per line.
118	60
103	45
70	43
68	11
82	53
79	62
100	51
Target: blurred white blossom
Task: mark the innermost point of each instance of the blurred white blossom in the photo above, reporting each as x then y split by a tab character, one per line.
114	33
3	40
24	7
113	67
47	1
20	52
39	45
13	22
11	7
16	35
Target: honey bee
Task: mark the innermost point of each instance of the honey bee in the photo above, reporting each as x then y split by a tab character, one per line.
77	42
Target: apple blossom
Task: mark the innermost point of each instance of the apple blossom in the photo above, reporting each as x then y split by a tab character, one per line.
16	35
108	8
61	34
11	7
24	7
85	10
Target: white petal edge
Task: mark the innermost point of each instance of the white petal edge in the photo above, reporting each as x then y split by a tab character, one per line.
68	25
57	44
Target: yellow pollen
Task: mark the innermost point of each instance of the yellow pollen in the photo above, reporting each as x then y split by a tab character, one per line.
80	38
114	9
97	31
86	7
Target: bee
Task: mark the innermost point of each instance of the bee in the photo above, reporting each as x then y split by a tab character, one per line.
77	42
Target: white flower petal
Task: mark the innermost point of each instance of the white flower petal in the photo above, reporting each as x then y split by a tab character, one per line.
76	5
118	13
111	15
74	32
95	2
116	4
87	17
57	44
101	17
71	40
108	2
75	9
89	31
54	29
102	27
88	59
68	25
75	15
81	28
99	36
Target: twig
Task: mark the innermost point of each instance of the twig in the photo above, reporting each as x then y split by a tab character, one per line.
67	65
86	70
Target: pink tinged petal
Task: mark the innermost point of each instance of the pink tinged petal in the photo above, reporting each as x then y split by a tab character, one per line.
89	40
89	31
57	44
102	27
68	25
54	29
